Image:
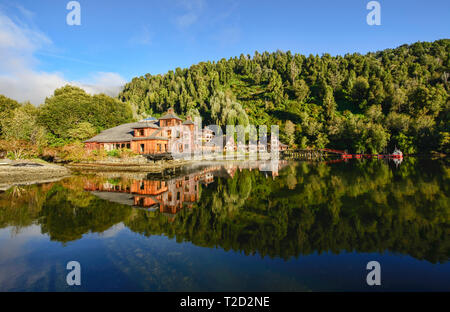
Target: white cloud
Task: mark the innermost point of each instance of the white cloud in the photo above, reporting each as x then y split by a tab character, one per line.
112	231
144	37
19	78
192	11
101	82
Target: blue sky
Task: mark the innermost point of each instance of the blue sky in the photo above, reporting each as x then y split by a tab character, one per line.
118	40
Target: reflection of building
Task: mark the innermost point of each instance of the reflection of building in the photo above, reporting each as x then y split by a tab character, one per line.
171	195
165	196
270	167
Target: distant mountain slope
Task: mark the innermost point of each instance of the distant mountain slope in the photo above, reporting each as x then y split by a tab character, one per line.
357	102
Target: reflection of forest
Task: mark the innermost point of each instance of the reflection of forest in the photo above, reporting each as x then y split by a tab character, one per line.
364	206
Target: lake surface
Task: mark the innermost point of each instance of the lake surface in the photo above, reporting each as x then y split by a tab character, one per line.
247	226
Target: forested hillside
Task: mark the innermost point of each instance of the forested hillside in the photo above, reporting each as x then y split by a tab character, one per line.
357	102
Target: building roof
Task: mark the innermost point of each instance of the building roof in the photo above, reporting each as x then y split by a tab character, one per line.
120	198
122	133
150	119
144	124
170	116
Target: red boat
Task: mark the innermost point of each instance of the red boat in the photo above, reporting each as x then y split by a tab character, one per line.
397	154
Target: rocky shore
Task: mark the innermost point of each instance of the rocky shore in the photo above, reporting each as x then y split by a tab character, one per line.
24	172
129	165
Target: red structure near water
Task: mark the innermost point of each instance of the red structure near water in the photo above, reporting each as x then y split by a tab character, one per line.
397	154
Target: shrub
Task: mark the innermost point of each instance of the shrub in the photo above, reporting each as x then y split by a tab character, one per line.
114	153
19	149
126	153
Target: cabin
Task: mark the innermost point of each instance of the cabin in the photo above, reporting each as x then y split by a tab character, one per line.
149	136
170	134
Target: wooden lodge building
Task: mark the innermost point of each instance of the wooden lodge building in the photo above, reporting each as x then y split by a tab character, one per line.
170	134
149	136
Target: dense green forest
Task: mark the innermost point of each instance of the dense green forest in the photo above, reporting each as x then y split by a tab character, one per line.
357	102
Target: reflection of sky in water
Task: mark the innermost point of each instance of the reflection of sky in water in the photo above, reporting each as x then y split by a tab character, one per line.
120	259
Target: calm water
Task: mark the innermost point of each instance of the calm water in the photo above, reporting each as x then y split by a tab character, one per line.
231	227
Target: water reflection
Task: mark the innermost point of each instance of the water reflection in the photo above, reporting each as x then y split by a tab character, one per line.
290	209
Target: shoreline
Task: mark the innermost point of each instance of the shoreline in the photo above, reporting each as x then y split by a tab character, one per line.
123	166
36	171
28	172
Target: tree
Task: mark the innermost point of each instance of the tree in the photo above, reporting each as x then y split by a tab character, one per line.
7	106
83	131
275	88
301	90
23	135
359	91
289	129
21	123
226	111
69	106
328	102
404	143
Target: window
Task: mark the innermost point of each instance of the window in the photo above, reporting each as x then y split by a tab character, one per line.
169	196
169	134
142	148
142	186
128	145
159	147
141	132
178	195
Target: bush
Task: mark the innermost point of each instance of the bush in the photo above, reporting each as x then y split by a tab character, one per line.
126	153
82	131
74	152
123	153
18	149
114	153
98	154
